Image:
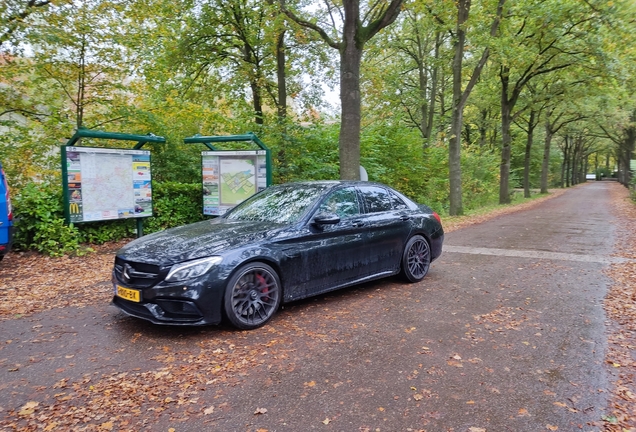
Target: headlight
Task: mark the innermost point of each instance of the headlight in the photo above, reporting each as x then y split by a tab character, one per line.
192	269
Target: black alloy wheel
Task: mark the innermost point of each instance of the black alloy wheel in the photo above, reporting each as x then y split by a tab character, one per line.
252	296
416	259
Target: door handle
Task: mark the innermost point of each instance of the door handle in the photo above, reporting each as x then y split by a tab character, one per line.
405	217
358	223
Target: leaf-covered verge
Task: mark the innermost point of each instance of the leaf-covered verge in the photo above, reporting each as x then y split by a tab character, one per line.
621	310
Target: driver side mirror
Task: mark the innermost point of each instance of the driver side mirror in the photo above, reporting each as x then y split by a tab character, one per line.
326	219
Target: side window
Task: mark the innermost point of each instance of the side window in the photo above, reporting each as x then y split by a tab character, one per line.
343	202
398	203
376	199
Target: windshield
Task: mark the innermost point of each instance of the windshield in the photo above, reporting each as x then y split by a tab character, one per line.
281	204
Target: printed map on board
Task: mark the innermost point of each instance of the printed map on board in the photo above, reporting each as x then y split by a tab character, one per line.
107	185
238	180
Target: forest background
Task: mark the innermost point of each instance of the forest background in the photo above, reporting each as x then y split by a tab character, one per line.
454	103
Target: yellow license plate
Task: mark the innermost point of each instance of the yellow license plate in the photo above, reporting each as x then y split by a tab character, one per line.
129	294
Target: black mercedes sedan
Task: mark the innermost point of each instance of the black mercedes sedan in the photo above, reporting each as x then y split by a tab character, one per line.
285	243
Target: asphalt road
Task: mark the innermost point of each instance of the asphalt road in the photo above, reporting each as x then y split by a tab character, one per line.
506	333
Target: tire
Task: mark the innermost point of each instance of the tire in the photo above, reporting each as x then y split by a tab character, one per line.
416	259
252	296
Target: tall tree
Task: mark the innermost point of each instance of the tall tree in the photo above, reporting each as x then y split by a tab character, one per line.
231	35
349	29
404	69
539	42
78	53
460	97
554	121
624	136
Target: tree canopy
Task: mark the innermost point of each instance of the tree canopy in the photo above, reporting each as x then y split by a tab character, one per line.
457	104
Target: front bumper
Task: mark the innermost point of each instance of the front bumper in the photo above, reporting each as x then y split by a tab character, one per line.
195	302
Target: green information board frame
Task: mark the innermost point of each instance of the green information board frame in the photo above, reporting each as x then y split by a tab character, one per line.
231	176
101	183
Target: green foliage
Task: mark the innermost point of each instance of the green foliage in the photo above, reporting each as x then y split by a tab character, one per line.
394	155
39	221
480	178
307	153
175	204
102	232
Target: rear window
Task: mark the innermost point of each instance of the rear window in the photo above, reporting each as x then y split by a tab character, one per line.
376	199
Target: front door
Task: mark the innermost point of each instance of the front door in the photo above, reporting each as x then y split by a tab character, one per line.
326	257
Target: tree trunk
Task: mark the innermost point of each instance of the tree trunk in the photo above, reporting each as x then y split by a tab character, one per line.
454	146
282	98
257	102
281	77
483	130
526	164
423	83
575	161
433	95
506	140
567	157
596	165
350	58
81	85
545	166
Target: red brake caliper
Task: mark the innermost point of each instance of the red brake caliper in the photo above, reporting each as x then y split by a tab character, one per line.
262	282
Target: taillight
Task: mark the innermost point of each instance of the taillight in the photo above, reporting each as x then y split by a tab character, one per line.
436	216
6	193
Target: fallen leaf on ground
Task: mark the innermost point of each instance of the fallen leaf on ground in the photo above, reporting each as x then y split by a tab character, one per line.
208	411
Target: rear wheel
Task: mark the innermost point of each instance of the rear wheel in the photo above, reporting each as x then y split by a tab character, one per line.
252	296
416	259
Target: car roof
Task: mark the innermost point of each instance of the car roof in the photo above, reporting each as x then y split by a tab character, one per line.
334	183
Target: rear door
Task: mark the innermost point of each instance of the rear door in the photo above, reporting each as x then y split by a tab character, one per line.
388	225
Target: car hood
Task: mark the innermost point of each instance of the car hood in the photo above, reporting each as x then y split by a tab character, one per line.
197	240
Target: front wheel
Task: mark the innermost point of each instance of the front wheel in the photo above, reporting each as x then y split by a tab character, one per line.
416	259
252	296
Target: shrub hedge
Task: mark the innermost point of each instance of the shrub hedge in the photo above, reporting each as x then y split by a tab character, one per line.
40	225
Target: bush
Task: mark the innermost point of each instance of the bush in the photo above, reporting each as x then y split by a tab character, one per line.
40	224
175	204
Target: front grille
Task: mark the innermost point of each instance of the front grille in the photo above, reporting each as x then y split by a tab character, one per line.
179	309
134	309
136	275
164	311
